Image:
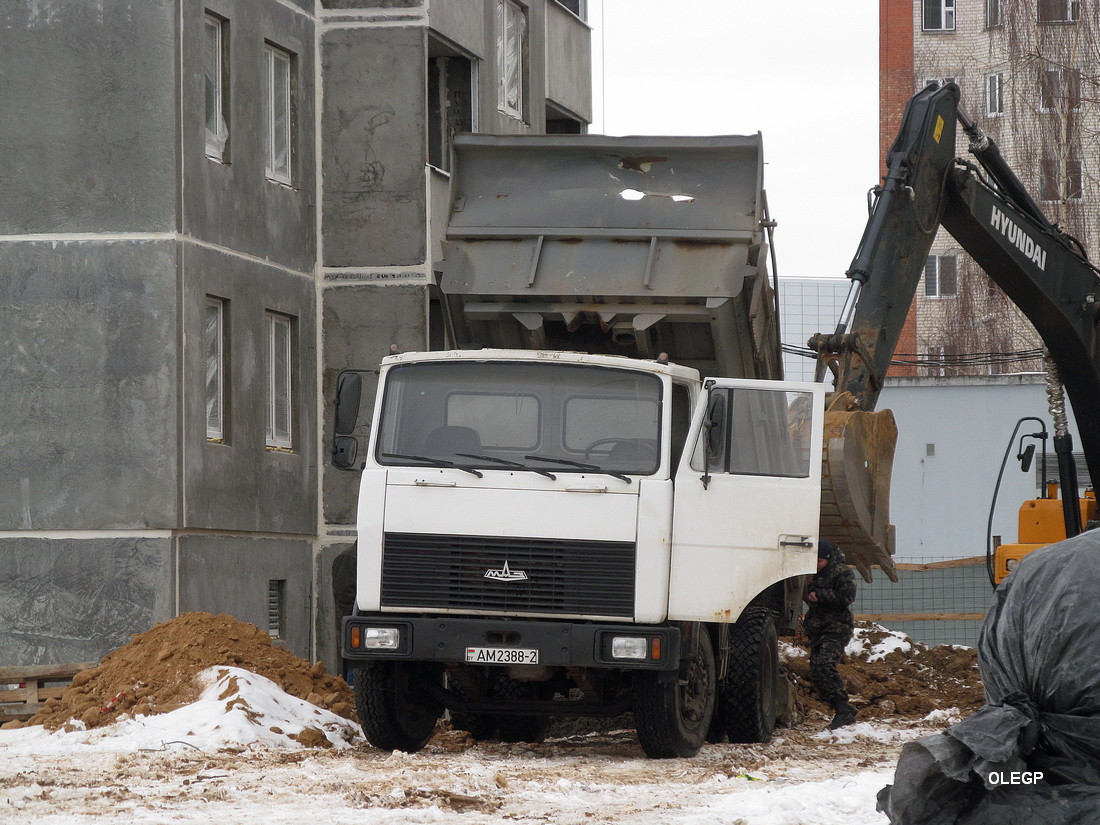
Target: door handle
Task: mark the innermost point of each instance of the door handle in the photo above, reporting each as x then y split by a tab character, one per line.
804	541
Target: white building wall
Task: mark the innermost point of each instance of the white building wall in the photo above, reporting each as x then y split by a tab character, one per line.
952	436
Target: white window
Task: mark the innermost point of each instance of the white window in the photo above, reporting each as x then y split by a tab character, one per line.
279	336
216	82
215	351
1059	11
278	114
937	361
939	81
1060	89
939	15
994	94
994	13
511	31
941	276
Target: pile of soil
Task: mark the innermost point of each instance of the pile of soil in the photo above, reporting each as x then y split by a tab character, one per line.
908	684
155	673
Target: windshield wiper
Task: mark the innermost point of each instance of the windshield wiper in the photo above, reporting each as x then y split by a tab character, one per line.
508	463
438	462
593	467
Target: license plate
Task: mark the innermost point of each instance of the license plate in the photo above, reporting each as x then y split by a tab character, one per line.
502	655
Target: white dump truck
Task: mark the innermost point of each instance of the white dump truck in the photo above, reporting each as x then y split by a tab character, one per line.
602	499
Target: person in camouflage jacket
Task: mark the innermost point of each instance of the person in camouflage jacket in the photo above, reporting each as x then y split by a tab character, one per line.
828	627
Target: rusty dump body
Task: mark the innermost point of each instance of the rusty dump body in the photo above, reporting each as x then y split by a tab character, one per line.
636	246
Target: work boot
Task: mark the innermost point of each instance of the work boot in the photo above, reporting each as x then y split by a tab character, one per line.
845	715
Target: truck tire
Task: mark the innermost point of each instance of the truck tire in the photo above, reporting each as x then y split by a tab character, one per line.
674	715
749	691
395	713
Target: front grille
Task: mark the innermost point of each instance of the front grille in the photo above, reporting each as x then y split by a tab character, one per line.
564	576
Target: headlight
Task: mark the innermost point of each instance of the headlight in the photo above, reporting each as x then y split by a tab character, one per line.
629	647
1010	564
375	638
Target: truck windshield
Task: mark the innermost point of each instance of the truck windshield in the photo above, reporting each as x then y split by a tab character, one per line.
470	413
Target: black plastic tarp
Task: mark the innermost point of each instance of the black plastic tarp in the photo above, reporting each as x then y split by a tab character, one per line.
1039	654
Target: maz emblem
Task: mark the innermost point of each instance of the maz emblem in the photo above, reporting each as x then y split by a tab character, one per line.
506	574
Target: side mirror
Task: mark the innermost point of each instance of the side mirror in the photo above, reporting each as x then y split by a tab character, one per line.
344	449
1026	457
349	389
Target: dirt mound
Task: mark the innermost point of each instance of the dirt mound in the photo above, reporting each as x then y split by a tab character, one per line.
155	673
910	681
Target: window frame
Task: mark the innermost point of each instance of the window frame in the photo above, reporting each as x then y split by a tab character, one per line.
994	14
1058	86
944	9
508	11
1060	12
273	55
934	276
1056	177
994	94
279	386
216	85
218	433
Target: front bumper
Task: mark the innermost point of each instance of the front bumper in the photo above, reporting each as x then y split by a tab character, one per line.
446	639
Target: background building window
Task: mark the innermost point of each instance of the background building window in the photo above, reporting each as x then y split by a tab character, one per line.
1060	89
994	94
1059	11
279	114
939	15
1058	182
511	30
939	358
994	14
941	276
216	351
215	52
280	385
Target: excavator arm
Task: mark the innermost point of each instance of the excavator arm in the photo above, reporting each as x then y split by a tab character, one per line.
989	212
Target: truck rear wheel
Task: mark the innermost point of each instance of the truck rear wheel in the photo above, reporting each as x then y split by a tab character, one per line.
749	691
393	709
674	715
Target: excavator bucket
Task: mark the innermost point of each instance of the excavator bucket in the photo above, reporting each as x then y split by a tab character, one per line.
857	459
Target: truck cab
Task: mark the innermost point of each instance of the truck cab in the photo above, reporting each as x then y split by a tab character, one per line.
555	533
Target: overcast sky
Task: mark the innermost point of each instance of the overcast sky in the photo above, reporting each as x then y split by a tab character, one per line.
804	73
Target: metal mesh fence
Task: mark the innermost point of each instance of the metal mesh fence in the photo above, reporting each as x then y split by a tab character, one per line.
936	600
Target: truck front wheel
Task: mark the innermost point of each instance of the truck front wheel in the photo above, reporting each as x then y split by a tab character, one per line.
674	714
749	692
394	710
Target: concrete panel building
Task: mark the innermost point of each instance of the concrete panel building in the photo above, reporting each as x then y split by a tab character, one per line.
212	207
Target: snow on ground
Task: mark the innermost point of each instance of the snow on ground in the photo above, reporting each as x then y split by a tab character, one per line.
878	648
230	758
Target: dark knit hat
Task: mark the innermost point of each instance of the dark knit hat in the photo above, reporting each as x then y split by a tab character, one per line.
825	549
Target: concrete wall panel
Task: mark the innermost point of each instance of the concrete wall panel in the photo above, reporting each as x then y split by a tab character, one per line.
242	484
230	574
75	600
87	139
88	425
373	135
463	23
360	323
569	76
234	204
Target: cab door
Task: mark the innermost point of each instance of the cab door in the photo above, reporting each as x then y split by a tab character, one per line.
747	495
